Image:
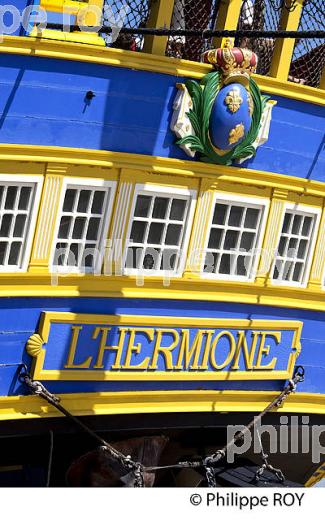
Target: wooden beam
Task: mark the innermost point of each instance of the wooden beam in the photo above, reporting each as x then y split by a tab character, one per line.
227	18
160	16
284	47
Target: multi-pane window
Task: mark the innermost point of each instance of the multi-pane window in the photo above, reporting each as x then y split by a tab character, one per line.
16	213
294	247
233	239
83	222
158	233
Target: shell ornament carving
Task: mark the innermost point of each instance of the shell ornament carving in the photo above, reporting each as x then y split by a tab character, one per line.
34	345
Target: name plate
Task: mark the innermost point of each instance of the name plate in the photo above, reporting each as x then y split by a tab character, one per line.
85	347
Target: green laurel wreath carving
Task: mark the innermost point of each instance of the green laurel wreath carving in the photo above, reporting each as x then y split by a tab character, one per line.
203	95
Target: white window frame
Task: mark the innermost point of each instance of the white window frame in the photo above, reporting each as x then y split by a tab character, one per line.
304	210
168	191
25	180
82	182
245	201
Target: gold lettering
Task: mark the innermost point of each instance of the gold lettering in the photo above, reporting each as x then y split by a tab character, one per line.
165	351
186	352
231	353
137	348
72	350
242	345
265	349
205	359
103	347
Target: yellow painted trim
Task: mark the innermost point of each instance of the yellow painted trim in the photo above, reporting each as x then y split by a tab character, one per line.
116	403
47	217
227	18
169	172
284	47
90	38
142	61
316	279
15	153
57	6
160	16
34	348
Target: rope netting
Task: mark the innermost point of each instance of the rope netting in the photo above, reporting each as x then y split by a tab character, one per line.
191	14
133	14
259	15
308	58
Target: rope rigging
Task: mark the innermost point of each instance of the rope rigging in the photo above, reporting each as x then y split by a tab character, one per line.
138	469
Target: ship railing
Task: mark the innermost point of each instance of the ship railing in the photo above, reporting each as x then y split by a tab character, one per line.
299	60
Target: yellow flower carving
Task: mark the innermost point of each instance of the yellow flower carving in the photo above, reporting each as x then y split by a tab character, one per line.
236	133
233	100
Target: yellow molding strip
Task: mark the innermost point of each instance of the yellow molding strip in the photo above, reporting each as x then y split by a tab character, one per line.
116	403
160	165
197	289
149	62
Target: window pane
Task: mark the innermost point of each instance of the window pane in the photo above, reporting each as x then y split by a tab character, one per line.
74	253
155	233
60	253
69	200
169	258
293	246
142	206
215	238
98	201
247	241
6	225
89	255
282	246
11	197
173	235
178	209
83	202
242	262
133	258
220	212
14	253
235	216
297	273
286	228
138	231
293	242
297	221
306	228
20	225
231	239
302	250
160	207
151	258
24	197
65	225
251	218
3	251
1	194
79	227
225	264
93	228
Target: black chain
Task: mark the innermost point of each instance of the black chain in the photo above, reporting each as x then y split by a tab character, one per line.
208	464
204	34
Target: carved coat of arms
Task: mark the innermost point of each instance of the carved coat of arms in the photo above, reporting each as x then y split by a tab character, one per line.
224	118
